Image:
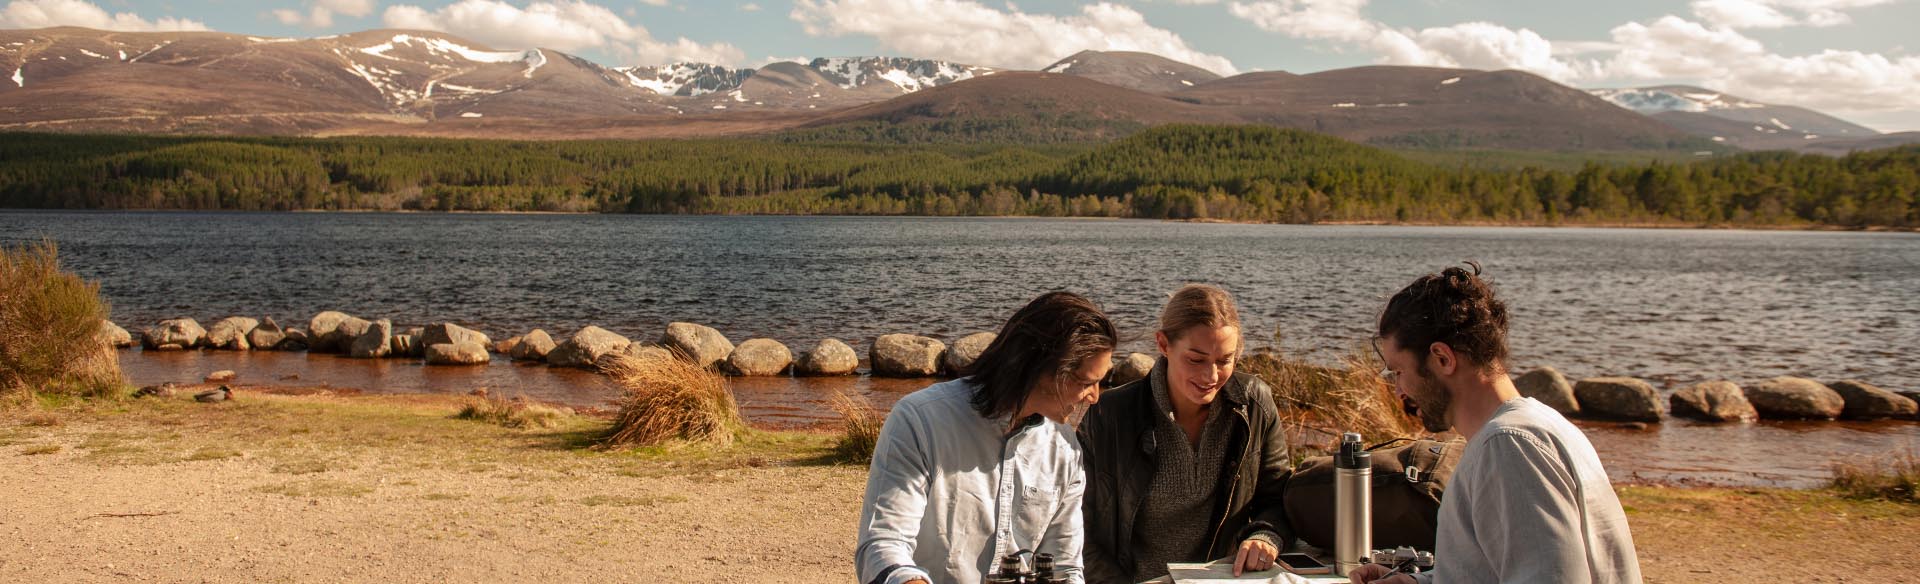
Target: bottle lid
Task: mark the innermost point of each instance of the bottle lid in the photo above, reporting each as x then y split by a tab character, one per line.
1353	454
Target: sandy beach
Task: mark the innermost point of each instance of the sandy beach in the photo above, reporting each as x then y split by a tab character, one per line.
302	485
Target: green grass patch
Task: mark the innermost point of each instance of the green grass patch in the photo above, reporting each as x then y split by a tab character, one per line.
513	414
213	453
1895	477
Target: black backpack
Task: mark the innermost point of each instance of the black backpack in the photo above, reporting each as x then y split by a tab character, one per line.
1408	479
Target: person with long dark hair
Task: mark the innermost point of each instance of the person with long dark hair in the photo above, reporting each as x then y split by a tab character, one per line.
971	470
1188	464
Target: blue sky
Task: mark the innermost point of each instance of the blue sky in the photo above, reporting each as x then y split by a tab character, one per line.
1848	57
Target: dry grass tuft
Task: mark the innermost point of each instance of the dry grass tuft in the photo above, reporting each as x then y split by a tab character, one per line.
49	328
513	413
860	428
1895	478
667	399
42	420
1326	401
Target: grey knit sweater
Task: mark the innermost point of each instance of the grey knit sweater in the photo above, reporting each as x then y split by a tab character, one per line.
1175	522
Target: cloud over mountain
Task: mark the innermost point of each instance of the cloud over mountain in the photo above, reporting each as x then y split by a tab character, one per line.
971	32
46	13
567	25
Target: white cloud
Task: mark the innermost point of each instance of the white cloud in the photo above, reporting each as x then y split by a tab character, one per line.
48	13
970	32
353	8
1711	51
320	13
565	25
1673	48
1778	13
1325	20
1475	45
750	7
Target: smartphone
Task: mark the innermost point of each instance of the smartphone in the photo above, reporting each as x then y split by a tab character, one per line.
1303	564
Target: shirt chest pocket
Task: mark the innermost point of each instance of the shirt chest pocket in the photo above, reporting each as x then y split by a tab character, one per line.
1034	510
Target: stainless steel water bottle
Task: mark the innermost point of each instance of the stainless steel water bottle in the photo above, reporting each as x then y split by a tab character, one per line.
1352	505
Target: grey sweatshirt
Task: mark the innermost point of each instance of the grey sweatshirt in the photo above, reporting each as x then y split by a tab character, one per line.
1531	503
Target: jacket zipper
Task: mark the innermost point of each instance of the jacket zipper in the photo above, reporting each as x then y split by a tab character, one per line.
1234	488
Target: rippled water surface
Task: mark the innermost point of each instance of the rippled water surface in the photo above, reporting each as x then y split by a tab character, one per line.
1670	306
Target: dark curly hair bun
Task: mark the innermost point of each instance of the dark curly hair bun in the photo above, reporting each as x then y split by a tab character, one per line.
1457	307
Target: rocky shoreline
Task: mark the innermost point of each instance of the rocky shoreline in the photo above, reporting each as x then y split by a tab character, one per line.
1623	399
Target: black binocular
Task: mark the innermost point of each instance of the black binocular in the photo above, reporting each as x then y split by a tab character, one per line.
1013	570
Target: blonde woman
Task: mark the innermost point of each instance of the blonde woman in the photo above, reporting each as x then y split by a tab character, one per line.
1186	465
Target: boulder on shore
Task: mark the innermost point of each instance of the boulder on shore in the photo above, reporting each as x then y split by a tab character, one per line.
1619	398
959	358
1550	387
1133	367
1794	398
828	357
297	340
230	333
647	352
533	346
267	336
404	345
221	376
376	343
113	335
699	344
174	334
586	347
1712	401
759	357
898	355
1865	401
463	353
334	331
452	334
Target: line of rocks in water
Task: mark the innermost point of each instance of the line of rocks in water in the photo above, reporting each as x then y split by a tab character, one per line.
1780	398
901	355
892	355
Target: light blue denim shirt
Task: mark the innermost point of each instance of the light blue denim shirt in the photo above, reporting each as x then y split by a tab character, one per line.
950	492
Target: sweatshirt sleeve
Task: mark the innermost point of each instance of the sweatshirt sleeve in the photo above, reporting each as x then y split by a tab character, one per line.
895	502
1528	515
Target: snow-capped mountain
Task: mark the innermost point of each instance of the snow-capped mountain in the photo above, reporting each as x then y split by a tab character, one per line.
1654	100
882	75
1734	120
685	79
900	75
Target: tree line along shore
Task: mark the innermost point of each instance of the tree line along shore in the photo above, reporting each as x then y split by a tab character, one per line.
1236	173
1623	399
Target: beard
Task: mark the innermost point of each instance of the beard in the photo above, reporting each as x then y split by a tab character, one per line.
1430	402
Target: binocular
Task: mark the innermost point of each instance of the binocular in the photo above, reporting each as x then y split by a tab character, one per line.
1403	559
1013	570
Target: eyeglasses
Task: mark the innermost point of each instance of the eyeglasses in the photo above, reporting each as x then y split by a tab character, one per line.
1386	373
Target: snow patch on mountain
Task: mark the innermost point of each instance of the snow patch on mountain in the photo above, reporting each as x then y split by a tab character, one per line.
18	79
909	75
92	54
684	79
1062	67
1655	100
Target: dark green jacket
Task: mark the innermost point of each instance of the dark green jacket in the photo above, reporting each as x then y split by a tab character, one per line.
1118	441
